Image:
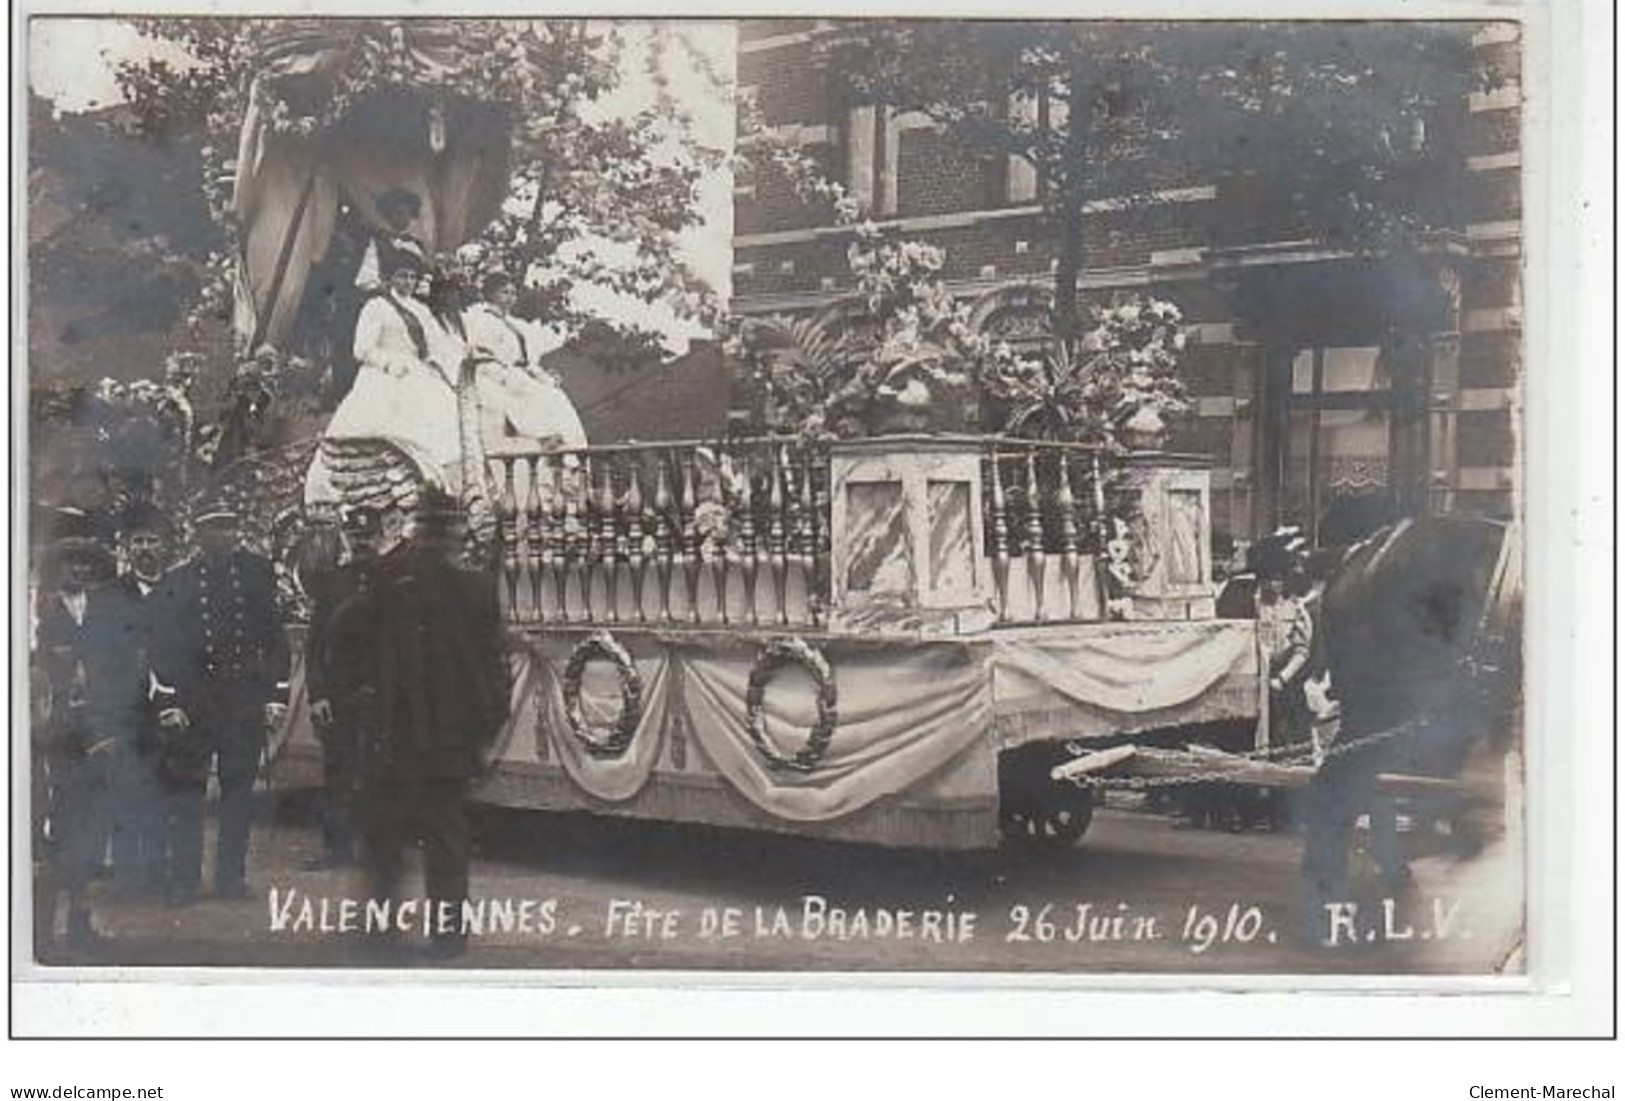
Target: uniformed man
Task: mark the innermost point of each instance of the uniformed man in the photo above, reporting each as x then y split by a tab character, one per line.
147	537
222	653
340	682
442	697
399	209
91	688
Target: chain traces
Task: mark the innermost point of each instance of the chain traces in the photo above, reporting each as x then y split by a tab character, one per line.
1294	754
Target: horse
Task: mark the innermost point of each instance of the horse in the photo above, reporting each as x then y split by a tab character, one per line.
1420	633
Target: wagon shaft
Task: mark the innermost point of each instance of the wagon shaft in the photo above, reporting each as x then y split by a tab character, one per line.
1130	766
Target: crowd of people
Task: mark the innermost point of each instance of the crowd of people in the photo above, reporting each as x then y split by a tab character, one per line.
156	682
151	680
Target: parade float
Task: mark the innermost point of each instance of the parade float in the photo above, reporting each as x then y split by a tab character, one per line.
892	639
891	636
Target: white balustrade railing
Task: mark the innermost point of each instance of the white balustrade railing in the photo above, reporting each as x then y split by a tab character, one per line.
736	533
708	533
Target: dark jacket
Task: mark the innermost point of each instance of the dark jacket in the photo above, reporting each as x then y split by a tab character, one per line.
95	670
218	634
442	671
339	645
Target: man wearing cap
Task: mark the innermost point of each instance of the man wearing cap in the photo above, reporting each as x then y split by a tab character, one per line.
398	208
442	697
91	668
146	535
340	681
222	652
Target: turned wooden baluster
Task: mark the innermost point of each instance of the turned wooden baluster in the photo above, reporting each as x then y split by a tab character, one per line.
1037	559
1102	528
1001	540
508	537
568	513
1103	531
536	549
806	535
592	550
630	546
665	543
751	549
691	537
611	545
778	546
729	500
823	577
1070	558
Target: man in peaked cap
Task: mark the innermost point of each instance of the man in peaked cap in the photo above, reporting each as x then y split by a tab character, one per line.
222	658
442	697
354	271
340	679
398	208
90	686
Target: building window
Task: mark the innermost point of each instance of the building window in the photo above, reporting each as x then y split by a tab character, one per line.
861	137
1339	439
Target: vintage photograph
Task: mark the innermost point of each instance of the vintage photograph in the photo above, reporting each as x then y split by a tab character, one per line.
795	495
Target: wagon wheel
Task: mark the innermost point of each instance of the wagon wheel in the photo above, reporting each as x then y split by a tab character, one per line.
1035	812
1057	826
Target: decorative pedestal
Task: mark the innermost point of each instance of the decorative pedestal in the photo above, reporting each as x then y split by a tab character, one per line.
1171	534
907	537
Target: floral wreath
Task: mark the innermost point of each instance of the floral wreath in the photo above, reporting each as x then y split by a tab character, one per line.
602	644
778	653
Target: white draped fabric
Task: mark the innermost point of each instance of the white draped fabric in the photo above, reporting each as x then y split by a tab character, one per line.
1112	678
907	712
903	714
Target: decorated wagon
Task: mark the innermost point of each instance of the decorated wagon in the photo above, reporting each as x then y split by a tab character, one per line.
891	640
894	639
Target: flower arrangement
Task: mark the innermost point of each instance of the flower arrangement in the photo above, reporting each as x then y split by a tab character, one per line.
903	358
1116	385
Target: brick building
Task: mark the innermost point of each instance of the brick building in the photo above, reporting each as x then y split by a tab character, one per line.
1313	375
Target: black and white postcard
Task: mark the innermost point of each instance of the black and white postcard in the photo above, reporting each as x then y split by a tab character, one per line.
821	497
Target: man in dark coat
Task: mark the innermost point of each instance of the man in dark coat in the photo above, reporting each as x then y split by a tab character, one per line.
223	653
442	697
340	681
138	838
91	674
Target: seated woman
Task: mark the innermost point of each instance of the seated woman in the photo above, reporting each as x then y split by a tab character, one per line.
523	408
405	394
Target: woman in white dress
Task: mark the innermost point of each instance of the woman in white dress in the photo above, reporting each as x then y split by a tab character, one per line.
405	391
523	408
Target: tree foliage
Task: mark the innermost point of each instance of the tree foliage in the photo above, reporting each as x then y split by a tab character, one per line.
1352	129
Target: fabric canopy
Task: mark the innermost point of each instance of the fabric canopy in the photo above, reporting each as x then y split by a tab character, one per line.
288	185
